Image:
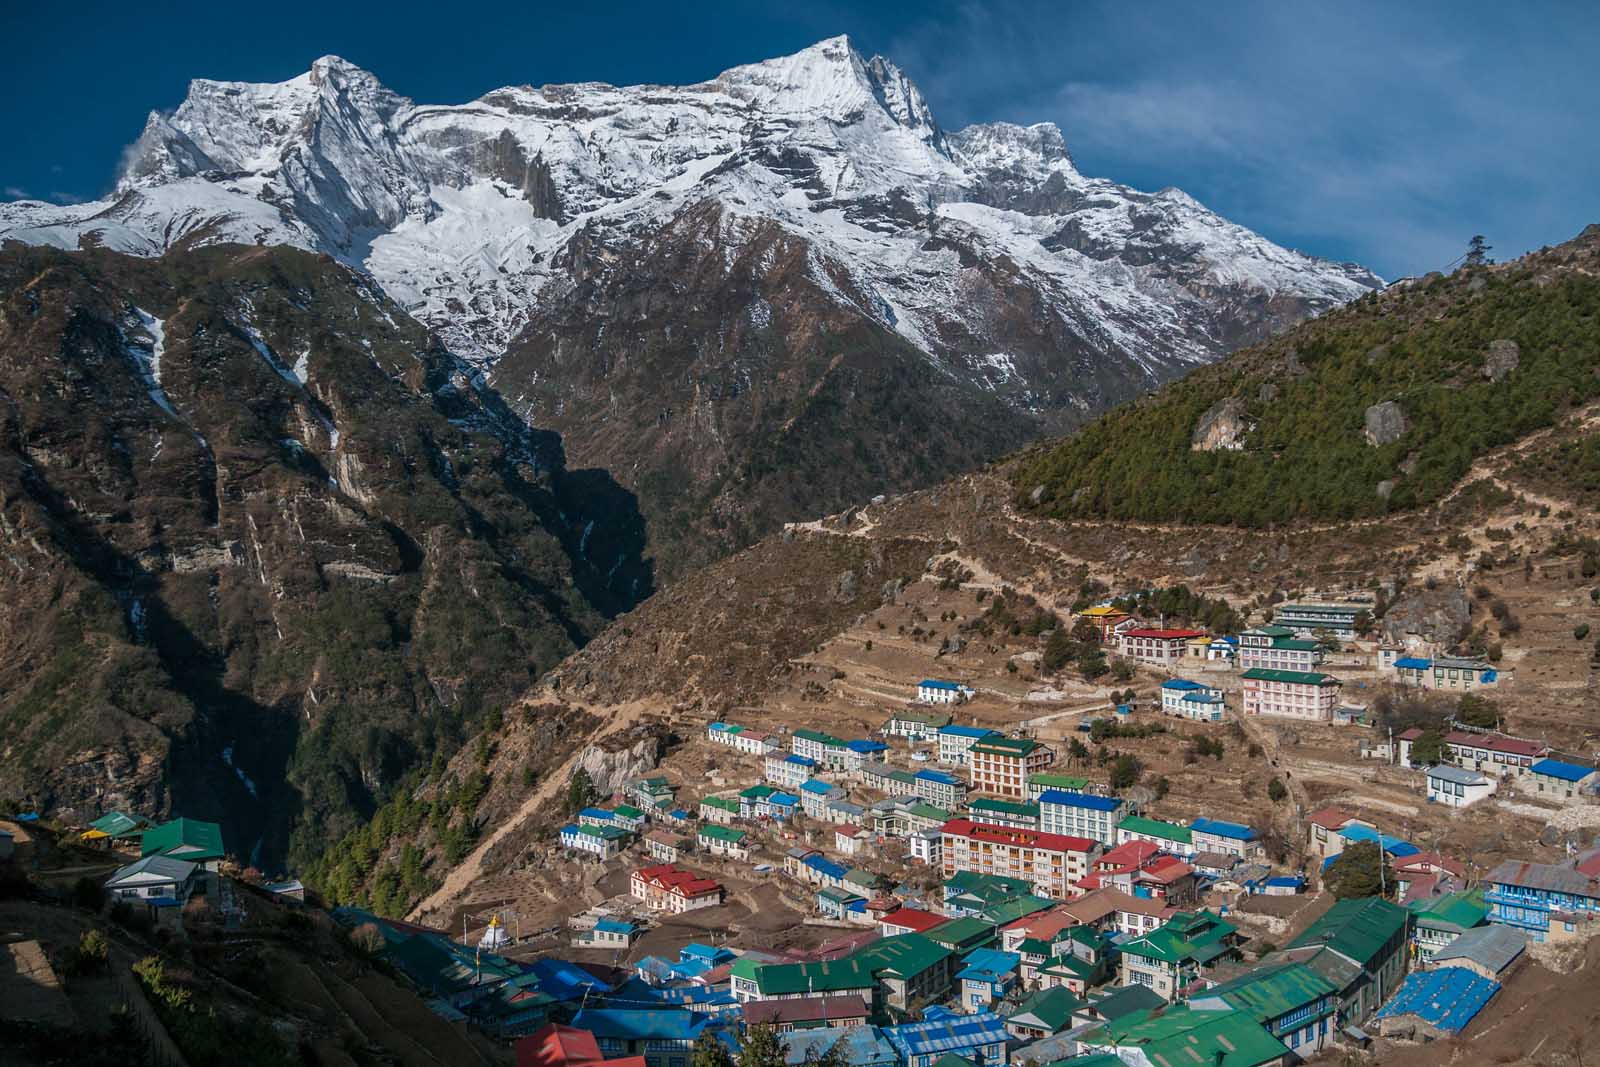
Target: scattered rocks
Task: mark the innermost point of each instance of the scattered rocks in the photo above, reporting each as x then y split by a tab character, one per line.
1502	358
1037	495
1268	392
1385	423
845	587
1385	488
1222	428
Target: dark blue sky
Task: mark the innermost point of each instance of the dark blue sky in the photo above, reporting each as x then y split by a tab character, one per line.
1384	133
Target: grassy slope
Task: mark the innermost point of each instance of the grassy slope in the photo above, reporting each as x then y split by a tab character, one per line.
1306	393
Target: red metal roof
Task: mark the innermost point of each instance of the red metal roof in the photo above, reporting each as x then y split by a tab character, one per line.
555	1045
1005	835
915	919
1164	634
805	1010
677	880
1494	744
1332	818
1127	854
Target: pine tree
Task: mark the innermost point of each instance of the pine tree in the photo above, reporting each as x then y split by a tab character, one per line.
709	1052
581	791
762	1047
1478	251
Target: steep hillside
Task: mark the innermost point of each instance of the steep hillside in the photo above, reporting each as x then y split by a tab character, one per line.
266	544
739	295
1380	406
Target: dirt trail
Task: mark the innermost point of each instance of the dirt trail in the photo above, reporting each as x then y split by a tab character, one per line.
619	717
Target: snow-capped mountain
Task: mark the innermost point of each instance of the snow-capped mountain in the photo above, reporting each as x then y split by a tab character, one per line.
758	298
462	212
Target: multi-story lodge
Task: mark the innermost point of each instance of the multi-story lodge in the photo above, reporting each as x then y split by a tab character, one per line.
1307	695
1277	648
956	741
1049	862
1161	648
1337	617
1001	765
1081	815
1192	700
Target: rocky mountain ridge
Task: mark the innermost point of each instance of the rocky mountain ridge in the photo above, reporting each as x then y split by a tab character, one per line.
265	544
741	296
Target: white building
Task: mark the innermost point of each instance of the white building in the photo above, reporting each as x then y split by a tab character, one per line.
916	724
602	841
1081	815
934	691
1276	648
1192	700
1308	695
1161	648
741	738
786	770
1456	788
153	878
927	846
956	741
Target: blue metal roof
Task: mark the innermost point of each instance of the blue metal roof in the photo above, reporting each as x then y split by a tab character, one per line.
988	964
931	683
1182	684
804	761
662	1025
1069	799
948	1035
865	746
1447	998
817	785
938	776
597	813
966	731
862	1046
1567	772
1394	846
1413	663
826	866
614	926
787	800
1223	829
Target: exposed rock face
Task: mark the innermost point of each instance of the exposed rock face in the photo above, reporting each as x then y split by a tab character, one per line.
264	543
1501	359
610	770
1438	615
1221	428
1385	423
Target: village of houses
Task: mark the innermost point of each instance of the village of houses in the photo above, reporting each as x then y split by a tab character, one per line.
972	902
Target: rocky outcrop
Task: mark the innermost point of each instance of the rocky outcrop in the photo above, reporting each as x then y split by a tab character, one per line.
1439	616
1222	428
1385	423
1501	359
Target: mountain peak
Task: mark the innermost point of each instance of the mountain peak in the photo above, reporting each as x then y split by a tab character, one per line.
832	80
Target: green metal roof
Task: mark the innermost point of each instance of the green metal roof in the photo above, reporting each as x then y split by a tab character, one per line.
1179	1035
820	738
903	955
757	792
1005	746
723	803
1356	929
116	824
1293	644
1006	807
1459	911
722	833
1138	824
1051	1007
1266	674
928	811
1005	911
186	839
1272	991
963	933
628	812
1056	781
1200	937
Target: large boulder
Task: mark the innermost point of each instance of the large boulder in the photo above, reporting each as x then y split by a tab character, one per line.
1385	423
1221	428
1501	359
1440	616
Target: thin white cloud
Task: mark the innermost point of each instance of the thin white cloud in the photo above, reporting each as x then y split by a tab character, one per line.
16	192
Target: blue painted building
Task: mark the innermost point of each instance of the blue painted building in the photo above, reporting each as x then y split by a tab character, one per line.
981	1038
1550	900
